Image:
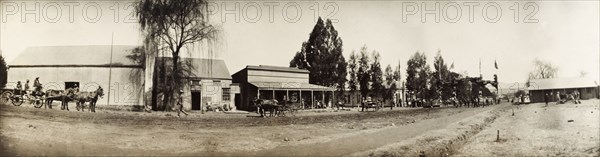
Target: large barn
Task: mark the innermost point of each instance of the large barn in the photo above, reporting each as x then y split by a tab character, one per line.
61	67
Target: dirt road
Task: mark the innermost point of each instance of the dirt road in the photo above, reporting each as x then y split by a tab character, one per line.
536	130
29	131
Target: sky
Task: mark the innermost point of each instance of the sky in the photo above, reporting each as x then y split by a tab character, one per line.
565	34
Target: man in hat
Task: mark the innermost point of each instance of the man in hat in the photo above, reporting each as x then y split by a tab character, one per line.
179	106
37	86
19	88
26	86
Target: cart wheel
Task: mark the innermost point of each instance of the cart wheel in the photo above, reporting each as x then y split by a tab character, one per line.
17	101
38	103
5	97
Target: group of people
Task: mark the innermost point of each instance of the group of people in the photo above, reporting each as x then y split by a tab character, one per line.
37	86
575	96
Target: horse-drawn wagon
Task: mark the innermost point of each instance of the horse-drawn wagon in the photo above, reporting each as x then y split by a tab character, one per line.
39	98
18	97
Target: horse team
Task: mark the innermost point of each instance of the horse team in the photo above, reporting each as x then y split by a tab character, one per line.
73	95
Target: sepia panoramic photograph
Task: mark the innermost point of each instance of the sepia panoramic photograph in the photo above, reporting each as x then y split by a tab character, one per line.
299	78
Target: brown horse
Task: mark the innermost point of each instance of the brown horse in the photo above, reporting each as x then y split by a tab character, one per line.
267	105
59	95
92	97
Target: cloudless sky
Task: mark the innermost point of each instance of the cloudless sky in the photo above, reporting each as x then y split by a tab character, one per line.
565	33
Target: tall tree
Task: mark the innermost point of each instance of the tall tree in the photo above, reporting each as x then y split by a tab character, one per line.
340	75
398	73
3	72
364	76
322	56
353	72
417	75
377	87
390	81
172	26
441	78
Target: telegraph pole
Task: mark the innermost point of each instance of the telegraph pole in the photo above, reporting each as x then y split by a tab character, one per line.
110	65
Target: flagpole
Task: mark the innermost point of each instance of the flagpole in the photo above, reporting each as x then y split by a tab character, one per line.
480	68
110	66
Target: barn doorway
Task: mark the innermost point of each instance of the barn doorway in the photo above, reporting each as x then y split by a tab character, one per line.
196	102
71	85
238	100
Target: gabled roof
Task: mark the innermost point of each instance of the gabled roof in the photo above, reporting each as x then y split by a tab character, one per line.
562	83
74	55
276	68
204	68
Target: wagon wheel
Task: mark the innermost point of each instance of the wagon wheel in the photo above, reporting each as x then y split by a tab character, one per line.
16	100
38	102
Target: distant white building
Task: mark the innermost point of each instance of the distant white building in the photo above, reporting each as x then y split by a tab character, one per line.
587	87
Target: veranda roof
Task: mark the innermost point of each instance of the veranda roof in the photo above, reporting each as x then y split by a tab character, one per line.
290	86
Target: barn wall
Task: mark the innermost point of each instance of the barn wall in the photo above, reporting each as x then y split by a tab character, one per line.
123	90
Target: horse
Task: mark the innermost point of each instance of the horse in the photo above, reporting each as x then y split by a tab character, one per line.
267	105
63	96
92	97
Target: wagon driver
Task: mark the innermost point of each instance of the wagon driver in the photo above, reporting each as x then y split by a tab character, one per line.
37	85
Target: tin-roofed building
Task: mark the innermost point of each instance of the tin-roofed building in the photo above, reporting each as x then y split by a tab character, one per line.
88	67
587	87
273	82
209	84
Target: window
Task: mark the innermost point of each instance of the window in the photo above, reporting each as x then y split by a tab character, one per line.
71	85
196	82
226	94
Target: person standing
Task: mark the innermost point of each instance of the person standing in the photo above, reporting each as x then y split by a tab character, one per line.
558	98
26	86
179	106
362	104
546	97
577	97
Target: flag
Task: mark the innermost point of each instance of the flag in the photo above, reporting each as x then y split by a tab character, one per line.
480	67
495	64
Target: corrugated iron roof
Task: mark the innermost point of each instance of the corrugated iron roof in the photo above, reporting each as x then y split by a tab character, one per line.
290	85
204	68
562	83
276	68
74	55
